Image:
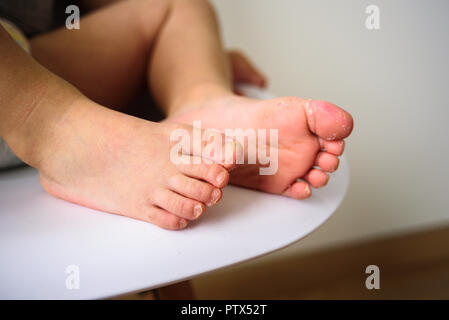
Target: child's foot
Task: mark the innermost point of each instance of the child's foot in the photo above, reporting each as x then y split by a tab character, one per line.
110	161
310	132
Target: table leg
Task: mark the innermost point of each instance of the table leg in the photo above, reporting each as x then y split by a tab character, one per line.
178	291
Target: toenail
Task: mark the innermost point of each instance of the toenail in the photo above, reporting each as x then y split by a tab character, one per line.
308	191
182	224
215	197
281	103
197	211
220	177
229	150
309	110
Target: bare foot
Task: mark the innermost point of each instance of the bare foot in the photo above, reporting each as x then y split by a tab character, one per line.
116	163
310	132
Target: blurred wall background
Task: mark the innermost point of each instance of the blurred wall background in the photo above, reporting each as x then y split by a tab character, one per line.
393	80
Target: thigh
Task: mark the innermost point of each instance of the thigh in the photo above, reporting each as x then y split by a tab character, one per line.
107	57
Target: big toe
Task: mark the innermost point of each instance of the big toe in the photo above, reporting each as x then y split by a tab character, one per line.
328	121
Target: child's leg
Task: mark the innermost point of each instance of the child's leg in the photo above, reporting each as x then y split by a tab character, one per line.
188	54
107	57
190	77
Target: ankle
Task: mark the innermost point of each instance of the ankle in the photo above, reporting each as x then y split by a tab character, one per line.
32	137
197	96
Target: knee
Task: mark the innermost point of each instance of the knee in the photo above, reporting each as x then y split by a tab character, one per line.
150	14
204	6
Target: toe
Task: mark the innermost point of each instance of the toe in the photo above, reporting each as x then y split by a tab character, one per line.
327	162
298	190
215	174
328	121
316	178
210	145
178	205
233	154
163	218
195	189
334	147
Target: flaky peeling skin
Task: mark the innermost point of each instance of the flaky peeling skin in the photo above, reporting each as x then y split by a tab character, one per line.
329	121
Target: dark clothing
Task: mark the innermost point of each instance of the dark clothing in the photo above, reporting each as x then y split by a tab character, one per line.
35	16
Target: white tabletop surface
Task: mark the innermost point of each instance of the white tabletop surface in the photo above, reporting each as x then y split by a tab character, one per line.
40	236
